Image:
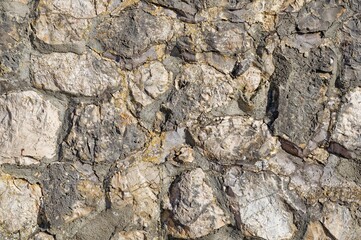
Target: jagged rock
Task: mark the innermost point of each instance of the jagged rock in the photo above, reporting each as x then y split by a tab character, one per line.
339	222
84	75
30	126
102	134
257	205
20	202
192	207
348	128
62	26
14	56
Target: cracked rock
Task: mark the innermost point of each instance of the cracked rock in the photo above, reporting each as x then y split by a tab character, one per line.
258	208
20	203
30	124
83	75
192	207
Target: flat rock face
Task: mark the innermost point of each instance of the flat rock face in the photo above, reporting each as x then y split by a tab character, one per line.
20	203
30	124
180	119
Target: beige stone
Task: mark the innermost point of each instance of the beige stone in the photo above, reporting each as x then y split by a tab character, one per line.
30	128
19	201
85	75
315	232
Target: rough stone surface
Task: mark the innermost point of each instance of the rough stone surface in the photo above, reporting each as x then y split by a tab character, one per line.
180	119
20	202
30	124
85	75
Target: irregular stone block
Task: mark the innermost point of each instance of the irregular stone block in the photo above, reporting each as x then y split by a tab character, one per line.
340	223
20	202
295	107
348	127
136	188
193	206
70	192
30	126
230	139
131	33
84	75
102	134
258	206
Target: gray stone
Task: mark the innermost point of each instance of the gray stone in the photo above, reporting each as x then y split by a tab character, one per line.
132	33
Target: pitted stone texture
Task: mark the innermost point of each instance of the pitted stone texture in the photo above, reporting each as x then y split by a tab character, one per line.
64	25
71	191
259	209
295	110
231	139
340	222
194	211
132	33
149	82
19	201
30	127
136	187
14	57
84	75
190	100
102	133
348	127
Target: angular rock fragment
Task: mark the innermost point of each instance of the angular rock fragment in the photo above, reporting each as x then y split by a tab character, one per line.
20	202
63	26
81	75
192	207
340	223
230	139
148	83
30	127
348	127
315	231
258	206
14	43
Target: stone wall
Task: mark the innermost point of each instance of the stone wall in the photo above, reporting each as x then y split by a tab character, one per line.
180	119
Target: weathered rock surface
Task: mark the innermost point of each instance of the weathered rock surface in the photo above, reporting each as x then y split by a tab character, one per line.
20	202
193	208
84	75
156	119
30	124
258	207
